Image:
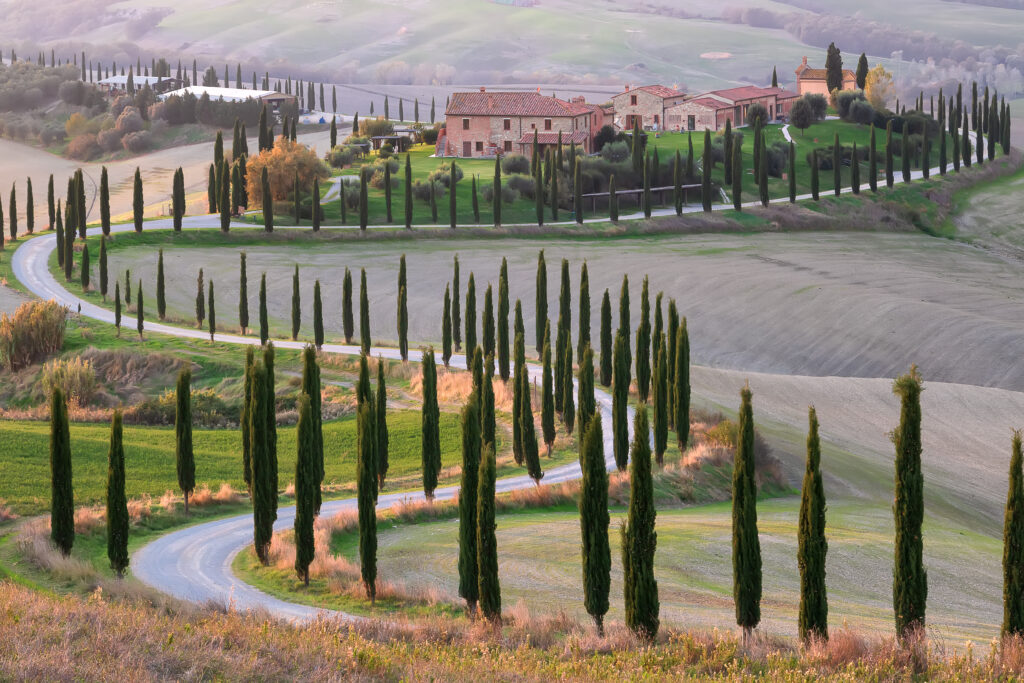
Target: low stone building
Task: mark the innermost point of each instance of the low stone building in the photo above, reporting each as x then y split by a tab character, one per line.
712	109
275	101
487	123
647	104
815	81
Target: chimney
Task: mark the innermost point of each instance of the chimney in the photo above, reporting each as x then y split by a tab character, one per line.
804	63
627	87
484	88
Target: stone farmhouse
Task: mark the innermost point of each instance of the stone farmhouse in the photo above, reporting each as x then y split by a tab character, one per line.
484	123
815	81
712	109
647	105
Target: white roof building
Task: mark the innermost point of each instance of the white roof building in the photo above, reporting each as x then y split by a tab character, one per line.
226	94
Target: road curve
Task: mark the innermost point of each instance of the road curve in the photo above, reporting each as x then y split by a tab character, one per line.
194	563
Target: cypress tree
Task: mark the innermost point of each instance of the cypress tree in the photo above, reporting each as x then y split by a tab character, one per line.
140	315
488	423
955	144
855	171
137	202
517	397
104	201
670	366
30	209
643	345
476	202
469	588
547	410
245	420
639	539
583	336
366	485
503	312
681	387
568	402
620	400
1013	546
268	202
728	152
553	198
910	580
408	193
334	131
183	454
486	539
307	487
381	419
943	161
364	313
85	268
264	320
211	312
530	454
200	300
690	175
62	503
446	327
270	416
433	203
606	340
496	192
117	307
594	521
661	403
318	316
487	326
541	299
613	200
117	502
51	210
677	183
586	406
538	185
624	325
814	174
562	340
80	211
471	315
104	274
296	305
161	300
837	165
889	177
456	306
315	204
813	615
746	548
737	178
59	236
347	320
243	294
224	203
706	167
431	438
873	163
311	388
926	153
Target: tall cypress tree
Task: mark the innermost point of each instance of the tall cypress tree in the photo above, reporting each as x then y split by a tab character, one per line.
403	311
529	435
381	419
268	202
446	327
104	201
62	503
737	178
407	187
562	334
245	420
456	306
1013	546
30	209
469	588
488	422
905	153
890	178
910	580
486	539
200	300
270	415
104	273
347	318
639	539
137	202
161	300
586	406
366	483
224	203
264	319
814	174
140	312
487	325
452	215
568	402
183	454
315	204
307	487
583	336
471	315
117	307
51	208
117	501
502	323
594	521
211	313
681	387
746	547
547	413
873	163
643	345
855	171
837	165
431	437
706	168
364	313
541	299
624	330
311	388
318	316
661	403
812	547
517	397
620	400
606	340
85	268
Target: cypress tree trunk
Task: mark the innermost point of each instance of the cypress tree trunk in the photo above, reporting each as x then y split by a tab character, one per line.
469	581
746	548
366	483
318	317
681	387
62	503
183	455
606	340
547	412
161	301
525	417
117	502
639	540
364	313
489	588
307	486
431	438
1013	546
104	201
264	320
137	203
503	312
813	614
347	318
446	327
456	306
661	404
910	581
471	315
620	399
541	300
594	521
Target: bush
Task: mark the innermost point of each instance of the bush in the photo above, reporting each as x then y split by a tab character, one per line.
72	92
138	142
429	135
386	150
616	152
508	194
421	190
84	147
514	163
283	162
777	157
35	331
129	121
377	179
75	377
119	104
756	112
844	99
343	155
208	410
443	174
109	140
523	184
370	128
861	112
818	104
51	134
604	136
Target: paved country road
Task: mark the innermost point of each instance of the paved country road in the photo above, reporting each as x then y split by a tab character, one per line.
194	563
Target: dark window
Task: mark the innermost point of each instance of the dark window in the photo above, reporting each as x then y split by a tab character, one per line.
467	149
508	145
508	124
479	146
465	124
547	124
691	122
632	100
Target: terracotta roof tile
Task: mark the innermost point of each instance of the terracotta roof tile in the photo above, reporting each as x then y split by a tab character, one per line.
549	138
744	92
656	90
511	104
709	102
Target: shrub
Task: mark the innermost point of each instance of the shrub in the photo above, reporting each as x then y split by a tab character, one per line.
138	141
421	190
369	128
861	112
386	150
615	152
604	136
52	134
83	147
523	184
72	92
75	377
844	99
208	410
443	174
343	155
756	112
119	104
282	163
508	194
514	163
777	157
35	331
109	140
129	121
77	124
429	135
818	104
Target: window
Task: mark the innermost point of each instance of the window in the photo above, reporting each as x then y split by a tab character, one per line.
465	124
632	100
508	124
656	122
467	150
508	145
547	124
691	122
479	146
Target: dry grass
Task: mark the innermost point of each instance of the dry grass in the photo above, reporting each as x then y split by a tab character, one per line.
6	514
139	508
89	520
